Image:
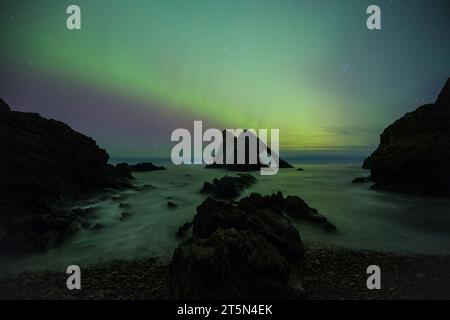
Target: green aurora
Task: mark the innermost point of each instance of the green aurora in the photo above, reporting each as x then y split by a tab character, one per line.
310	68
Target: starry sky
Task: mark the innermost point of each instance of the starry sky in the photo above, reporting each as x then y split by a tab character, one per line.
139	69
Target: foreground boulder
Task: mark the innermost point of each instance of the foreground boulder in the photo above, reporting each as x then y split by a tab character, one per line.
361	180
237	252
414	152
228	187
45	165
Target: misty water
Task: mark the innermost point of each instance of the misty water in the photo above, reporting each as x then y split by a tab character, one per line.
366	219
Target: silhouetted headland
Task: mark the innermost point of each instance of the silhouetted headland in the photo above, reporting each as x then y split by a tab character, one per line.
247	165
46	166
414	151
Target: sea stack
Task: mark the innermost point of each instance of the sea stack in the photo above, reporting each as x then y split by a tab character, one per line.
414	152
247	165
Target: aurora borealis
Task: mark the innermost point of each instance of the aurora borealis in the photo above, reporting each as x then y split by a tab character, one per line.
139	69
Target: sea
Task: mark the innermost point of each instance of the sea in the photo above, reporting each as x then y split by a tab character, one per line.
366	219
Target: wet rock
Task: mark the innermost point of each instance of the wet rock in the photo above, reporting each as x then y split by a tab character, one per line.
184	228
86	225
121	197
296	208
143	188
124	206
237	252
171	205
293	206
361	180
124	215
228	187
414	152
140	167
98	226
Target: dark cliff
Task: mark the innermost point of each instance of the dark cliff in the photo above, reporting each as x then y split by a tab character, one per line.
44	166
414	152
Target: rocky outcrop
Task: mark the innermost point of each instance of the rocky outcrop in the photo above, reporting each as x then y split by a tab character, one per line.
443	99
237	252
297	208
140	167
4	106
247	165
360	180
414	152
44	166
228	187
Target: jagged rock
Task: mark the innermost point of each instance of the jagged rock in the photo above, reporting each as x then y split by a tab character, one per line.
184	228
140	167
171	205
296	208
98	226
124	215
143	188
4	107
228	187
44	166
124	206
361	180
414	152
246	166
237	252
293	206
86	225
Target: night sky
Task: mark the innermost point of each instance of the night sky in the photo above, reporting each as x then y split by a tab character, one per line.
139	69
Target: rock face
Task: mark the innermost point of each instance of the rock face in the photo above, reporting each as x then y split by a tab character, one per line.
360	180
228	187
237	252
140	167
414	152
45	164
246	166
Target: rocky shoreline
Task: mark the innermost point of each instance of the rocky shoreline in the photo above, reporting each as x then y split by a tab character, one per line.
326	274
46	169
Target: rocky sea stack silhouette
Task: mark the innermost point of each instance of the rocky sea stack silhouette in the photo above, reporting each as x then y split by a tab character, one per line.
247	166
45	166
414	152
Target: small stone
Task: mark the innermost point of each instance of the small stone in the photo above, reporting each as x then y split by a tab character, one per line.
171	205
124	215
